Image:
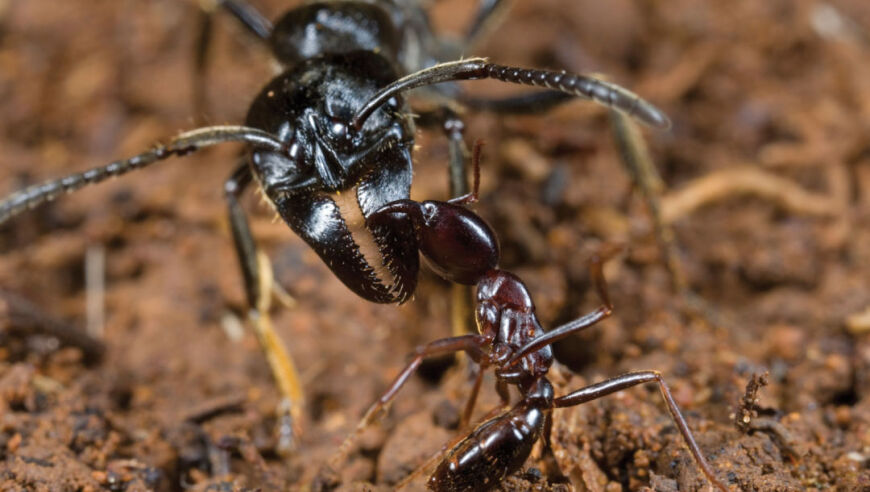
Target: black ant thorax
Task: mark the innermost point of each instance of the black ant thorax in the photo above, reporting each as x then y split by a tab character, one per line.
334	27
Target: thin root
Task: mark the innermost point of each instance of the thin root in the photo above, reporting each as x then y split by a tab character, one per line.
745	180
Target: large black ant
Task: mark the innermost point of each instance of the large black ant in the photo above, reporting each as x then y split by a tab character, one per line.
333	121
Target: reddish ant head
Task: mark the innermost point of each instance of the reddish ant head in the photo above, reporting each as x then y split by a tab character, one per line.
458	244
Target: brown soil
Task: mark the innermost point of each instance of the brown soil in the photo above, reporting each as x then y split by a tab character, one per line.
771	109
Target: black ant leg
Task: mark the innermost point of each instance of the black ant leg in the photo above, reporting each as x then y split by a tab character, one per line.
531	103
639	164
605	93
461	298
454	129
489	15
619	383
181	145
457	152
257	273
200	63
461	306
248	16
281	364
246	250
471	344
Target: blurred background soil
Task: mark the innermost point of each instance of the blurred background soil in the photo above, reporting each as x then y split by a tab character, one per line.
767	175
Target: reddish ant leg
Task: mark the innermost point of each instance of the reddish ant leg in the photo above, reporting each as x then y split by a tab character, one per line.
472	344
619	383
475	160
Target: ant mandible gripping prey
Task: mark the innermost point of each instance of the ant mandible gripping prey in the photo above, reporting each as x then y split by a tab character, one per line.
335	121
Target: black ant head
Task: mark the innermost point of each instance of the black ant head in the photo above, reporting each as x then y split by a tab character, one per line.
309	109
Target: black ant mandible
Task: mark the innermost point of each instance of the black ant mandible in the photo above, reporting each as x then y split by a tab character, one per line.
334	120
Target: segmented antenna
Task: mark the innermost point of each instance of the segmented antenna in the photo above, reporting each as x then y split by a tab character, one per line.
181	145
586	87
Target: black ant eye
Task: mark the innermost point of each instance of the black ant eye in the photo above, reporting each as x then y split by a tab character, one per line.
338	128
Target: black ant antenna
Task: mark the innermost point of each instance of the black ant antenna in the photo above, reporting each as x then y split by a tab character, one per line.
605	93
184	144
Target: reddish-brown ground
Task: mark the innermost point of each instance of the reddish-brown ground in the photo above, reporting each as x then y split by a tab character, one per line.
771	109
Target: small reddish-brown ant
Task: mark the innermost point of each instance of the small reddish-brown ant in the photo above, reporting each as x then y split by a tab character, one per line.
462	248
